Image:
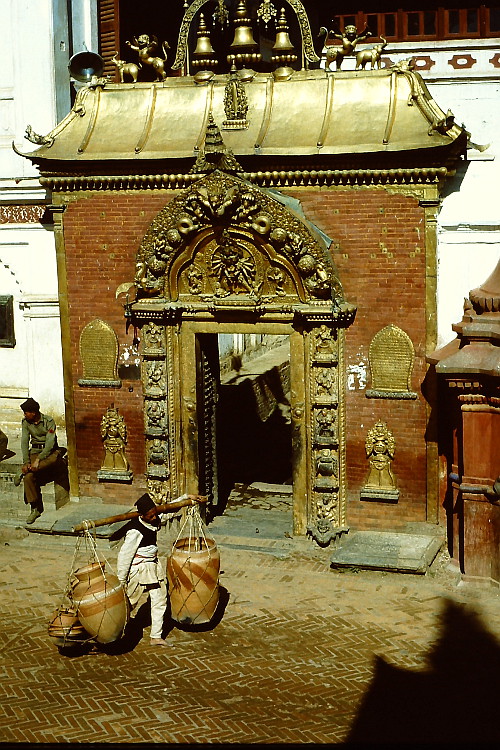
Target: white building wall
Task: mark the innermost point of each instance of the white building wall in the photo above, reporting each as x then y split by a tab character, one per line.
469	219
35	91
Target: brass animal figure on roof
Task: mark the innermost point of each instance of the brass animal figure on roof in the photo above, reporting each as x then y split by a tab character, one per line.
145	45
349	38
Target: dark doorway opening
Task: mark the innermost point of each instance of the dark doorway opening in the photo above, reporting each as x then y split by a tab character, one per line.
253	437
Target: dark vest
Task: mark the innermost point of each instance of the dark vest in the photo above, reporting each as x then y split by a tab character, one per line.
149	536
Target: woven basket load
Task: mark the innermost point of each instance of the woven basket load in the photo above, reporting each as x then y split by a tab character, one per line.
193	574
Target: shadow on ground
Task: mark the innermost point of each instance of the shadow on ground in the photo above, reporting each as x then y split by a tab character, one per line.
454	701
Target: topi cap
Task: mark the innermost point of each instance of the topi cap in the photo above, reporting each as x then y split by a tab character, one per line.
30	405
145	503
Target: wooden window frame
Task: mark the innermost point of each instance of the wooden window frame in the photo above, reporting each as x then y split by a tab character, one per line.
7	309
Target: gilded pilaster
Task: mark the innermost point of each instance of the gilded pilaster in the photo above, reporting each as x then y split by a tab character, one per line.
431	203
58	208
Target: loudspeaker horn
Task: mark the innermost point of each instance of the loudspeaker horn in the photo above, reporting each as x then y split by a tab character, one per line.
84	65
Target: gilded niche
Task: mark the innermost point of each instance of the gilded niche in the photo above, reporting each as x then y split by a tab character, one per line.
380	448
114	437
391	358
224	237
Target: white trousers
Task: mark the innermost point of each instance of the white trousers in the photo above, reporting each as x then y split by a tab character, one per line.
157	597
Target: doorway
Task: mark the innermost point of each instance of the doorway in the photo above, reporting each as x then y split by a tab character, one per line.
254	440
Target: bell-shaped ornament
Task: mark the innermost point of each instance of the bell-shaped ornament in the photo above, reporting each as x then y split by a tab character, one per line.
282	45
243	34
203	44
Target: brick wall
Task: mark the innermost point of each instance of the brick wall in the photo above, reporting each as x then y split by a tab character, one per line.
102	233
380	255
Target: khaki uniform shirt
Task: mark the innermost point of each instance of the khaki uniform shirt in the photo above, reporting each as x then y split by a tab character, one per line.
38	438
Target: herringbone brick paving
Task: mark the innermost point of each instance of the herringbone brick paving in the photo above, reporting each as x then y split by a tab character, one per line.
292	659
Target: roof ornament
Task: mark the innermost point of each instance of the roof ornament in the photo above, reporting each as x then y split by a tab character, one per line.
203	56
221	14
145	45
235	103
283	50
40	140
266	11
349	39
215	154
243	50
372	55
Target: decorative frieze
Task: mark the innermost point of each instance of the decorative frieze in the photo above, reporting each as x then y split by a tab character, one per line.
21	214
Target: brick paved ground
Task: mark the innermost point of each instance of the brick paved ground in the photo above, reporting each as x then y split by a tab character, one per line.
302	654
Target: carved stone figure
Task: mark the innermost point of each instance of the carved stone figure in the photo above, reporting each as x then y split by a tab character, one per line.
324	343
114	437
155	412
326	467
324	382
156	377
129	69
157	453
154	337
145	46
277	277
325	426
380	446
158	458
195	279
349	39
372	55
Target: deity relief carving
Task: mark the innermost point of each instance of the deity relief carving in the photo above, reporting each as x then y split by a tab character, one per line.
157	458
325	382
154	339
233	268
155	378
235	102
195	279
158	490
277	277
326	527
325	426
114	437
380	448
326	469
325	344
155	417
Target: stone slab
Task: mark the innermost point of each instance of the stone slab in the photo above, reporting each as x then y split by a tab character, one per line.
379	550
52	523
253	523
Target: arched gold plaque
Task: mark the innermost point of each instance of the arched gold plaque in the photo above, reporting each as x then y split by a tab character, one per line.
99	354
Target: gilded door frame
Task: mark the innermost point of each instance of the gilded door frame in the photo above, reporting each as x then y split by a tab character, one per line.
226	256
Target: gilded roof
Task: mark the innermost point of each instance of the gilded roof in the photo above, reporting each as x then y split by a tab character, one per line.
313	114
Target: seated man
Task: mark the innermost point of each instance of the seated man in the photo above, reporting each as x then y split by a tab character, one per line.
42	457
